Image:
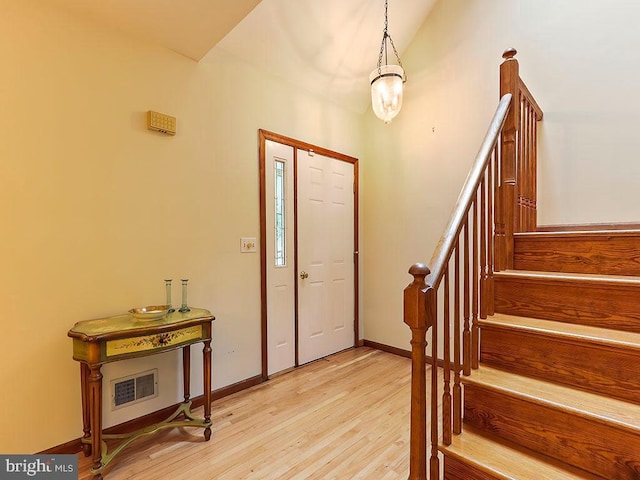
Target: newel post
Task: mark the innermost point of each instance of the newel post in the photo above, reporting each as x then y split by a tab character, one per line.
415	316
507	216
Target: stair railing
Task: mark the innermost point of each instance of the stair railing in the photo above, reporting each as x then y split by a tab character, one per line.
498	196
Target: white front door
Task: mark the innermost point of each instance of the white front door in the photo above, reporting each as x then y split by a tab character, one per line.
325	212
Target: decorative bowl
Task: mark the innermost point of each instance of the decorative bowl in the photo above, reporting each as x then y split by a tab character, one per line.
152	312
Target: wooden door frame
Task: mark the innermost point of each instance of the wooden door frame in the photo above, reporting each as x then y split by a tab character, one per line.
263	136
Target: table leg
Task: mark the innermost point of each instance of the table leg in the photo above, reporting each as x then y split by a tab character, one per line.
186	371
206	355
95	402
86	412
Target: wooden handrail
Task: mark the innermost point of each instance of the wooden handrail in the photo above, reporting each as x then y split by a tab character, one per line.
498	199
444	248
524	91
420	304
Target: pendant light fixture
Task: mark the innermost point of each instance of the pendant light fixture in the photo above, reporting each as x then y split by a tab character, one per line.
387	80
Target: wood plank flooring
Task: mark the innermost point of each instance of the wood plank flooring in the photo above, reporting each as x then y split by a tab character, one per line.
344	417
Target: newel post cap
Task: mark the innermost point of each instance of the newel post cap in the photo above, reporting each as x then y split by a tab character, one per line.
509	53
415	294
419	272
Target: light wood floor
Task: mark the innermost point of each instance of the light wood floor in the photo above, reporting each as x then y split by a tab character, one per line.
345	417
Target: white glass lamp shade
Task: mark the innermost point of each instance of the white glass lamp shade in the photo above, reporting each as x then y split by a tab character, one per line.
386	91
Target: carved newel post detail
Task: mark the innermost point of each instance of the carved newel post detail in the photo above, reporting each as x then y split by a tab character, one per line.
415	316
507	214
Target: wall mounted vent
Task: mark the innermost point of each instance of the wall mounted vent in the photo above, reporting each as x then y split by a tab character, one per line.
136	388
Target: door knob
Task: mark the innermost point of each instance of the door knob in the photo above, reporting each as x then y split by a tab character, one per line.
304	275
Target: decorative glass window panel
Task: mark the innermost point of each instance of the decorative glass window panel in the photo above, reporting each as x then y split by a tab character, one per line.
280	205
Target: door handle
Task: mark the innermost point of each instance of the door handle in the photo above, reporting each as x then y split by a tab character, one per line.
304	275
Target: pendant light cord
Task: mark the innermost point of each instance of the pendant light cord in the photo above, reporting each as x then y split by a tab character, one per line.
383	46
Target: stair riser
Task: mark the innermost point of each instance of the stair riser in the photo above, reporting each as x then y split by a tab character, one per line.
606	370
609	254
455	469
583	443
606	305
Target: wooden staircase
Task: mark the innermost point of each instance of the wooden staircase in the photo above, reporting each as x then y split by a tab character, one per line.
534	342
557	391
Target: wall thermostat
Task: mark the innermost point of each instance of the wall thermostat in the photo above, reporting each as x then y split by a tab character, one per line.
161	123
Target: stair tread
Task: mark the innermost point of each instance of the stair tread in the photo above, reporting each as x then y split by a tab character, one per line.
581	233
598	408
583	277
598	335
508	461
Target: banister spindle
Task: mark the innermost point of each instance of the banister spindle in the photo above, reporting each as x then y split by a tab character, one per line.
531	172
534	176
521	172
483	246
493	207
446	355
475	283
457	389
432	313
417	318
498	213
466	299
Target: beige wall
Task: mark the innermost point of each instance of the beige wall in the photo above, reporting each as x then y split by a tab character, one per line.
580	60
97	210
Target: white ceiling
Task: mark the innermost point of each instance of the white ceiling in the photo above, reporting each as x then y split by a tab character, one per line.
327	47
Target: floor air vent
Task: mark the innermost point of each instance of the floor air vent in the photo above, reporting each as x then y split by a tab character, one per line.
134	388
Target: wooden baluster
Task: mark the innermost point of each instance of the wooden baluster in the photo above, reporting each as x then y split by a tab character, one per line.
475	282
457	389
534	177
483	248
526	161
522	174
432	313
446	355
499	240
520	168
532	163
498	212
509	83
524	130
492	176
466	333
417	317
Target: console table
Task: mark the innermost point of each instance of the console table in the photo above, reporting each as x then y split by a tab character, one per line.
96	342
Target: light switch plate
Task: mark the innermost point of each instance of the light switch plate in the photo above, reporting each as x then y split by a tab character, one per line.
248	244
